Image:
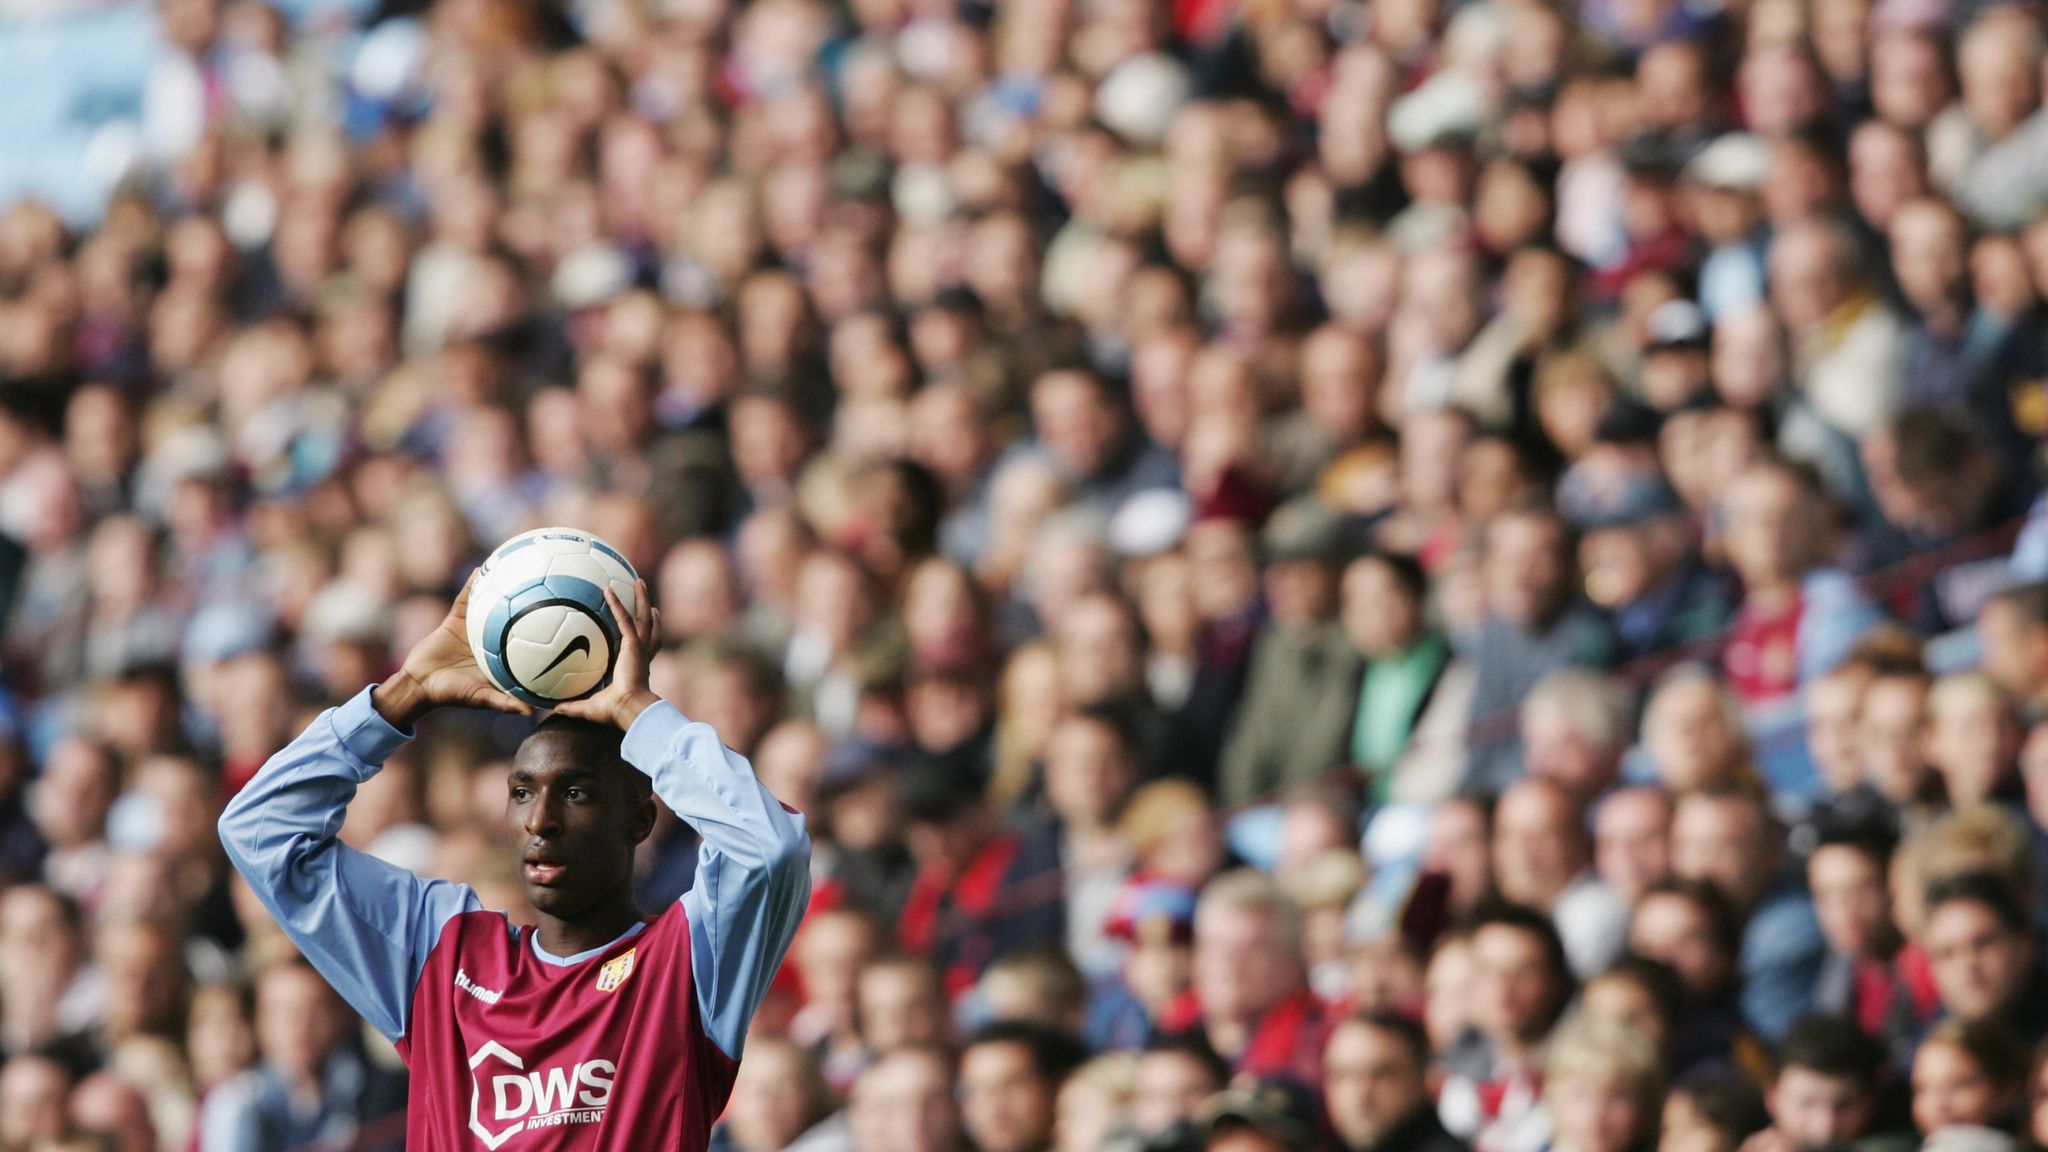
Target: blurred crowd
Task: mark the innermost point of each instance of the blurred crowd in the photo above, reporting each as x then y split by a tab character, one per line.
1412	576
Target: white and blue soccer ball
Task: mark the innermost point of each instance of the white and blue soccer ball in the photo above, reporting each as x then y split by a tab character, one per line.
538	622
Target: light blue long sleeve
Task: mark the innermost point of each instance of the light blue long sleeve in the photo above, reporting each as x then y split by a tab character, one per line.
753	872
366	925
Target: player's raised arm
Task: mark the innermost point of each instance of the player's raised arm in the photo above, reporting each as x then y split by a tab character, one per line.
365	924
753	873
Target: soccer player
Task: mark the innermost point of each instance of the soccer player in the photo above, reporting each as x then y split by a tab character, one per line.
598	1029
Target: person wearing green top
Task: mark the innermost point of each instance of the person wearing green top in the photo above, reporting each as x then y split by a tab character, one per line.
1389	702
1384	606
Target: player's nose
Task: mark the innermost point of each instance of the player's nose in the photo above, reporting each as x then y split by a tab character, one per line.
543	817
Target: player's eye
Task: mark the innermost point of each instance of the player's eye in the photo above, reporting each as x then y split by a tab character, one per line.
578	794
520	794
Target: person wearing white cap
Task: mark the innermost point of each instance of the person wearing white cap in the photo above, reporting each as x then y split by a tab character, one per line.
1720	187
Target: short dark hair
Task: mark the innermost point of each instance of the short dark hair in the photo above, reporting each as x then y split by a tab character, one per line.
1114	717
1931	445
1660	980
932	795
1990	1044
1870	837
604	744
1831	1046
1403	1028
1405	569
1802	475
1194	1045
1721	915
1480	801
1054	1054
1985	888
1729	1104
1522	918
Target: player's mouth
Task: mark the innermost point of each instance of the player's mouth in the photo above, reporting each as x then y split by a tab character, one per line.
542	872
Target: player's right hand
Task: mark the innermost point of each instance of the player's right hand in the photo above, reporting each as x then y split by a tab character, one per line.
441	672
627	696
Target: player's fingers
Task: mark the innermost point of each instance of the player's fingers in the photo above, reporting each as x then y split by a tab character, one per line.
644	623
504	702
628	637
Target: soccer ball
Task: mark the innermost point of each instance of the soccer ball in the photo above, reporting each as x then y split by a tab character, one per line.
538	622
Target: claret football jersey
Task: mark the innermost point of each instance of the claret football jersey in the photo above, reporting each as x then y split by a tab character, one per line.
632	1045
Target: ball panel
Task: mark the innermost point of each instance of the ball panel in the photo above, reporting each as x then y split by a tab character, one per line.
494	667
610	553
582	566
473	622
629	595
527	597
518	568
568	664
578	591
542	625
497	615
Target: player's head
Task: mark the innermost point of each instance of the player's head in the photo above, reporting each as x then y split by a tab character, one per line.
577	810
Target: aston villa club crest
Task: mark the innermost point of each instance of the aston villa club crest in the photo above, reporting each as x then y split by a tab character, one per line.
615	971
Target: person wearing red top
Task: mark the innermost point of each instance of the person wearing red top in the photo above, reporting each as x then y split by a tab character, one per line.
980	890
1250	996
1798	618
1860	978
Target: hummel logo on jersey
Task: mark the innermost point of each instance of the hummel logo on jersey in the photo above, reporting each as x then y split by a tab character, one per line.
518	1101
463	982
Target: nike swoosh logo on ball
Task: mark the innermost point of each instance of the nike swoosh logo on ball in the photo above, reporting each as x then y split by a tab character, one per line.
580	644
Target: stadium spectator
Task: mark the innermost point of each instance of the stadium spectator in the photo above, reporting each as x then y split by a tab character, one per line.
1631	841
1727	840
1797	619
1604	1084
779	1102
1521	982
1248	995
1010	1075
1967	1074
1175	1076
1541	860
1824	1091
1375	1085
904	1101
1981	954
312	1086
1859	979
1533	627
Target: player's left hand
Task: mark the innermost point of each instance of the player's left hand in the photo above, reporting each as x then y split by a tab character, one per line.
623	700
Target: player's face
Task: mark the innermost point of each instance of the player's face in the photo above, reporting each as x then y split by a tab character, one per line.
575	824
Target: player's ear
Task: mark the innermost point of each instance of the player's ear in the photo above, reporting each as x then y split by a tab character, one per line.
641	824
